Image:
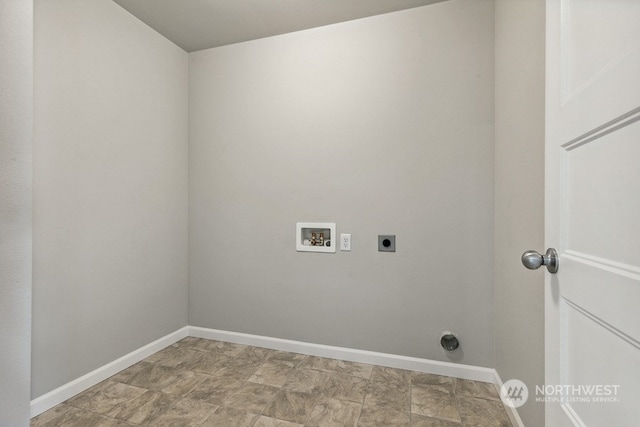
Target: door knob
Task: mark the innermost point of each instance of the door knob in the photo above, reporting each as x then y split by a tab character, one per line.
533	260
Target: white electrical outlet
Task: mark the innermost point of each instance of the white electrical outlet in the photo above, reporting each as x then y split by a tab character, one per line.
345	242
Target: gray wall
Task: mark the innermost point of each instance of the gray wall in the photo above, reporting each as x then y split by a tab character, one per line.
382	125
519	196
110	188
16	124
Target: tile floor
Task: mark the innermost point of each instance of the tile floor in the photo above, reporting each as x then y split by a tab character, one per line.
198	382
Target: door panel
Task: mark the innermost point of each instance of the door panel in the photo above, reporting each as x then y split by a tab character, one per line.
590	346
592	212
599	43
602	289
596	172
588	54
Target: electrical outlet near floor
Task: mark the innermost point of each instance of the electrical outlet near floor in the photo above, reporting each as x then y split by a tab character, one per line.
345	242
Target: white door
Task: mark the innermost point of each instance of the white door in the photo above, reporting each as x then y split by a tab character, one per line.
592	213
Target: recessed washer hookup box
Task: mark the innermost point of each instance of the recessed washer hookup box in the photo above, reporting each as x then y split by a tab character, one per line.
316	237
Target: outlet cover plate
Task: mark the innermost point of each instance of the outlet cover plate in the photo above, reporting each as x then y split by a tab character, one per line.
386	242
345	242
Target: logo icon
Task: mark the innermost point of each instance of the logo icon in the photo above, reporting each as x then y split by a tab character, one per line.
514	393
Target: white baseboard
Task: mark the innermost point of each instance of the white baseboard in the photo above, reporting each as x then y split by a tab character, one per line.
64	392
512	412
467	372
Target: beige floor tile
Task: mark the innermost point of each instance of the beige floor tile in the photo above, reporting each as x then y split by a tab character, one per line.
212	346
291	359
50	415
215	390
272	422
468	388
229	417
361	370
316	363
207	362
434	402
251	397
173	357
199	382
187	412
389	396
391	376
477	412
188	342
422	421
291	406
338	366
376	416
181	383
106	397
256	354
161	378
240	368
345	387
333	413
436	389
83	398
419	379
128	375
110	422
307	381
271	373
145	408
76	417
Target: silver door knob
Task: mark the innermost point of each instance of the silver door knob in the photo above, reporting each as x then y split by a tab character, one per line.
533	260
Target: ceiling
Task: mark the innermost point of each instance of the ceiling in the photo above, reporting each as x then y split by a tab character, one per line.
203	24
